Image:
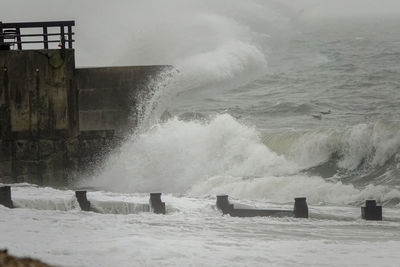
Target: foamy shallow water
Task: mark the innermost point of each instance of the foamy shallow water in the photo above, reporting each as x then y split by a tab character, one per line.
193	233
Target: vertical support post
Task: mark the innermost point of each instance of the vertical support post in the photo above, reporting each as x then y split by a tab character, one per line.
5	197
70	37
223	204
45	38
3	46
1	33
19	43
62	37
156	205
300	208
371	211
82	200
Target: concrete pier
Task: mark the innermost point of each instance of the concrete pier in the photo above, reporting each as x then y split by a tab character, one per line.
57	122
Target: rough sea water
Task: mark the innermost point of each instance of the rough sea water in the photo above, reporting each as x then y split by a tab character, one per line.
266	102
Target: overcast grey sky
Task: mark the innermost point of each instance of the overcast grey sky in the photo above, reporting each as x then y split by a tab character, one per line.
158	31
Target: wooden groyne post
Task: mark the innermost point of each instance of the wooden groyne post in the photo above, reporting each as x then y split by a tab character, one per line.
82	200
156	205
371	211
5	197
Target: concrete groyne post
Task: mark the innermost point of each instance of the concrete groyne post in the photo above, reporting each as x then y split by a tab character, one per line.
300	208
371	211
5	197
82	200
223	204
156	205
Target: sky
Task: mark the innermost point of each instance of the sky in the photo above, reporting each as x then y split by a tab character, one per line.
127	32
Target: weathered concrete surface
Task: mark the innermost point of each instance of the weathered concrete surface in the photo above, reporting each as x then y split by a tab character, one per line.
38	112
108	96
58	122
38	93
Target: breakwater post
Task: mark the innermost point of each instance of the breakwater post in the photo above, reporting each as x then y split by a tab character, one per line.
5	197
300	207
371	211
82	200
156	205
223	204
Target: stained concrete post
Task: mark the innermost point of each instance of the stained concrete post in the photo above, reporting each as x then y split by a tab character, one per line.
300	208
156	205
5	197
371	211
82	200
223	204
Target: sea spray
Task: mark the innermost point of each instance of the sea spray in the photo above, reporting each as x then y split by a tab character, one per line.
174	155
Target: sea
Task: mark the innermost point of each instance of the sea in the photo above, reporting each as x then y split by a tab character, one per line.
260	104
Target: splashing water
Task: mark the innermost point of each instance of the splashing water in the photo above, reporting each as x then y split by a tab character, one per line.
223	53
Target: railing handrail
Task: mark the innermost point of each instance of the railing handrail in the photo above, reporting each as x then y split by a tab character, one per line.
65	34
38	24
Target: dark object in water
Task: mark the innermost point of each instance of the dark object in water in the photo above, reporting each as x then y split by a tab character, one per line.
326	112
223	204
317	116
371	211
227	208
5	197
82	200
300	207
156	204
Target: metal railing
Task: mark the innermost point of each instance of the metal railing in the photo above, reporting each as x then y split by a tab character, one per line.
12	34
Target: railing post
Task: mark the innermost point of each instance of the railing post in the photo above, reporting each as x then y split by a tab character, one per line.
1	33
45	38
62	37
19	43
70	37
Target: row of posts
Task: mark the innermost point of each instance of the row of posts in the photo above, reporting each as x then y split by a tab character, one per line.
156	205
371	211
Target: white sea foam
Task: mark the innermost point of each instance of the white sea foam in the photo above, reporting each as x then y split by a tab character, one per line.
171	157
224	156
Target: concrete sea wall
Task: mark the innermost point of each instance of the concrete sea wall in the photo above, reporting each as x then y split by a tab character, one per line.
58	122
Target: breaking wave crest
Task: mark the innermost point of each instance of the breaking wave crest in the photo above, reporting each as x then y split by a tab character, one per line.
360	154
204	158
